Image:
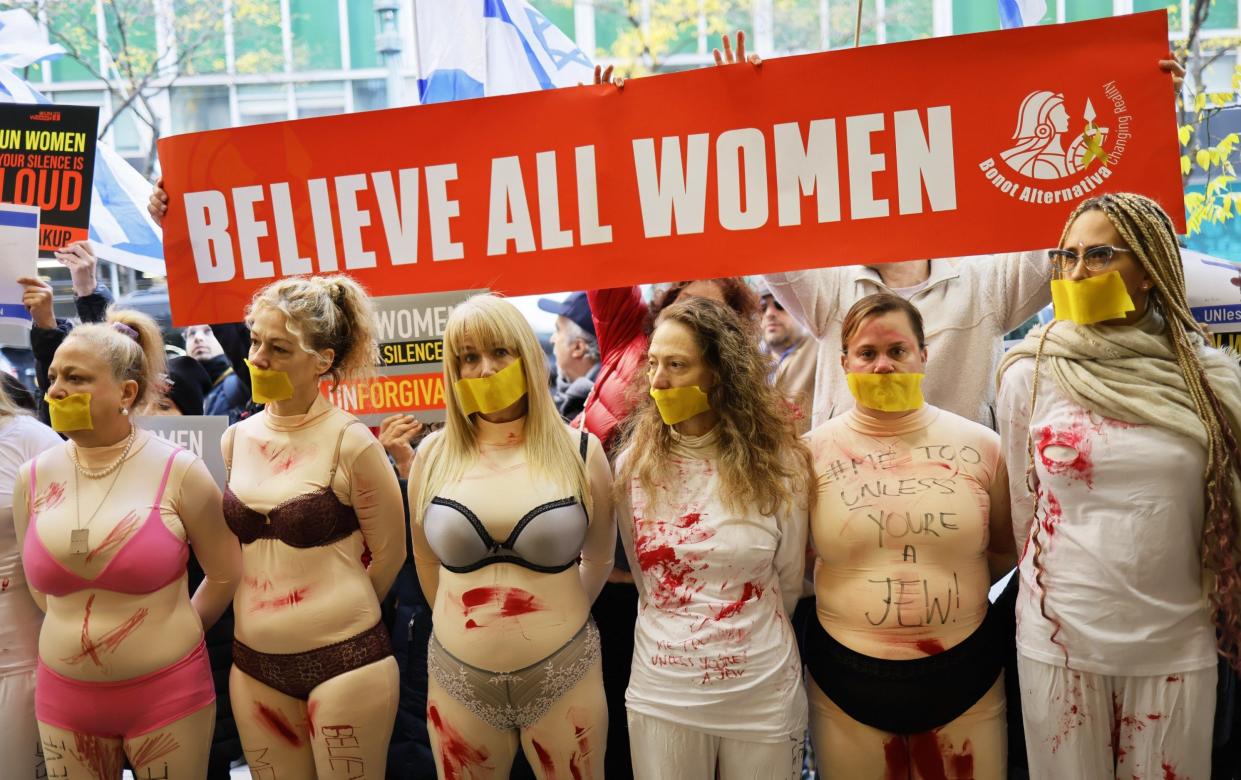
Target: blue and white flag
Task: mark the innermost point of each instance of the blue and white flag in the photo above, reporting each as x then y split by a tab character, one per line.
1021	13
23	42
478	48
121	230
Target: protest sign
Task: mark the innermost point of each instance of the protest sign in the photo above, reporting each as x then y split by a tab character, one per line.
198	434
1213	287
47	159
19	238
410	374
719	171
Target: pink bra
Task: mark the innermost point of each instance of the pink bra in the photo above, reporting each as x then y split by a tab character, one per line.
151	559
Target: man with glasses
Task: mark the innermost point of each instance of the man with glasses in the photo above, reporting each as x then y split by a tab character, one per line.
228	395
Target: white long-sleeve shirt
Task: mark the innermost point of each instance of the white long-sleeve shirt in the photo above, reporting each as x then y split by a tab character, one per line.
1120	512
713	649
967	306
21	438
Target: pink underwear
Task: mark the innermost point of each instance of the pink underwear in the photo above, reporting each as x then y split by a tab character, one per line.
125	708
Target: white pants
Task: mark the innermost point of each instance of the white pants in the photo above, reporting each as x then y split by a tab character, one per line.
661	750
20	757
1093	726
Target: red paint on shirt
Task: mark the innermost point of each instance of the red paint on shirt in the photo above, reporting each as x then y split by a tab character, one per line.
1075	437
896	759
750	591
1173	678
927	758
459	759
1169	772
290	599
1154	716
275	722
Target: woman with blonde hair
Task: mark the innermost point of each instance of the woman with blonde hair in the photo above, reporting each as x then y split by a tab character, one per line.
513	539
1121	427
317	508
22	437
712	484
105	521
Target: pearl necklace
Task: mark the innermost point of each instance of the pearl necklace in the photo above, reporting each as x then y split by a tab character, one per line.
101	473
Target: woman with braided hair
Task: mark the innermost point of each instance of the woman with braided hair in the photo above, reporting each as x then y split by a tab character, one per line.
1120	425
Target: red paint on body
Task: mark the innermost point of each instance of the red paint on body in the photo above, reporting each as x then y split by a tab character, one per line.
109	640
290	599
50	498
927	758
471	624
929	646
116	537
545	760
519	602
962	764
1173	678
153	749
275	722
4	584
105	761
509	602
311	708
457	756
896	759
282	458
750	591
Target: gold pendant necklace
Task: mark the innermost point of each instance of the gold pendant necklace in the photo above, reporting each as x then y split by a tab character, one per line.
79	537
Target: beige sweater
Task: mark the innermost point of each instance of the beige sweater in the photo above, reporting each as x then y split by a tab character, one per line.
967	306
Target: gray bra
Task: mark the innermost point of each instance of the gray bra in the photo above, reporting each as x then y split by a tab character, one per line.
547	539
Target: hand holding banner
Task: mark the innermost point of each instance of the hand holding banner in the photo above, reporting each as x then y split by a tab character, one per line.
714	172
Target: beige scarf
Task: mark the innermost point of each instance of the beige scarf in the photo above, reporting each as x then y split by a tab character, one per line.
1130	373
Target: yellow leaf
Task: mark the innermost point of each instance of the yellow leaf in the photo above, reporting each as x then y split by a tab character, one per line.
1200	101
1185	165
1185	132
1220	99
1203	159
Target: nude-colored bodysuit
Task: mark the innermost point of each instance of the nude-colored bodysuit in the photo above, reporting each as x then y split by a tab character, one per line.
902	529
105	635
296	599
504	617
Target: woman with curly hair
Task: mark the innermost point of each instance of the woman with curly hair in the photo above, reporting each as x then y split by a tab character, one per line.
317	508
1121	425
911	527
711	488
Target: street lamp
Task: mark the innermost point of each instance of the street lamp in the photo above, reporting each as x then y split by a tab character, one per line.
388	45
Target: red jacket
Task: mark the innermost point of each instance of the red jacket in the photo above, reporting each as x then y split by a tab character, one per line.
620	327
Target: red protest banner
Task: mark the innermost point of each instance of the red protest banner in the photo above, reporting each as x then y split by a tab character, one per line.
950	146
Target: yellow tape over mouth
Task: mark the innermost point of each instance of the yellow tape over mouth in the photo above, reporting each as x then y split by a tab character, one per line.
887	392
490	394
1091	300
678	404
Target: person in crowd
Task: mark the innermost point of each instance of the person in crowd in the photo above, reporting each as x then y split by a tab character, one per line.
513	538
316	506
794	356
22	437
576	351
90	298
400	435
19	395
1121	426
227	394
911	525
968	305
712	484
105	521
181	390
622	323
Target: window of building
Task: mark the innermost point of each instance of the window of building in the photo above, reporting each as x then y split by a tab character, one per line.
319	98
796	25
362	52
1080	10
908	20
1223	15
257	43
72	24
315	25
259	103
370	94
200	108
199	27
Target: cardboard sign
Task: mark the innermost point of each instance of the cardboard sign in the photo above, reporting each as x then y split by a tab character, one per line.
47	159
1213	286
410	375
19	237
198	434
931	148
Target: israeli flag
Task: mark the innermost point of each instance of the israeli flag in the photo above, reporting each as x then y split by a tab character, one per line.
23	42
478	48
1021	13
121	230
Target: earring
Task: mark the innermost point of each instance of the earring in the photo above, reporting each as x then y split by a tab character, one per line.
1146	285
125	411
